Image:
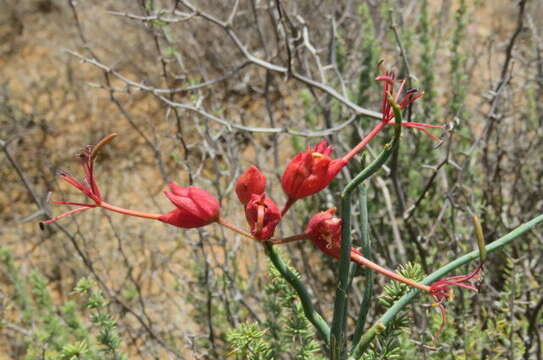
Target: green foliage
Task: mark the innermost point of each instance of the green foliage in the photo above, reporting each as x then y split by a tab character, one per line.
248	342
79	350
286	328
205	308
341	52
369	50
503	332
387	344
311	110
458	61
107	336
20	297
295	332
61	331
427	70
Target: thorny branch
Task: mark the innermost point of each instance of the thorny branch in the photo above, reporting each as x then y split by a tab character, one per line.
197	109
226	26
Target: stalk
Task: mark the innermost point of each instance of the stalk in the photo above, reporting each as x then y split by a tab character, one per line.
128	212
310	313
337	336
381	324
366	251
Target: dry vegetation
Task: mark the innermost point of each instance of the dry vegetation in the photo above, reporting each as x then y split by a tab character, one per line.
72	72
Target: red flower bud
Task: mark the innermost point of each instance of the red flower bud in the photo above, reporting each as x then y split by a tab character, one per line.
250	182
311	171
195	207
324	230
262	215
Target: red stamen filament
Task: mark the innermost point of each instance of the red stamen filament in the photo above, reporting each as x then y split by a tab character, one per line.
68	213
260	218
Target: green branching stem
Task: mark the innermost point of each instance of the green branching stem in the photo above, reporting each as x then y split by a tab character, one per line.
436	275
366	250
311	314
337	336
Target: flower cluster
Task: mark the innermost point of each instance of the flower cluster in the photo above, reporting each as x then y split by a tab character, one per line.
308	173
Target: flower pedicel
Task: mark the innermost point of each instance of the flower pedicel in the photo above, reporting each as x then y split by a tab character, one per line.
194	207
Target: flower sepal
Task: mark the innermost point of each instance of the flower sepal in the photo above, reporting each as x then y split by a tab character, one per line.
194	207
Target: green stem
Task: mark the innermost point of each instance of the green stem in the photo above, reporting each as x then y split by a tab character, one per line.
310	313
366	251
380	325
337	336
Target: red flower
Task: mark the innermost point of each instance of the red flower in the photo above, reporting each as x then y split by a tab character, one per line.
195	207
309	172
262	215
410	96
324	230
440	290
250	182
389	80
88	186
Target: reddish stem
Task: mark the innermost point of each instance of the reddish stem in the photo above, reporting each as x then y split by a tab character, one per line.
289	239
361	145
72	203
129	212
359	259
287	206
234	228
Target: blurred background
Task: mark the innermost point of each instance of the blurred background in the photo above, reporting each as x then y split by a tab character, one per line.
198	92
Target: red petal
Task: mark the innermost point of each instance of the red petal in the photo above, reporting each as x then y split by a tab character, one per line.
252	181
178	190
